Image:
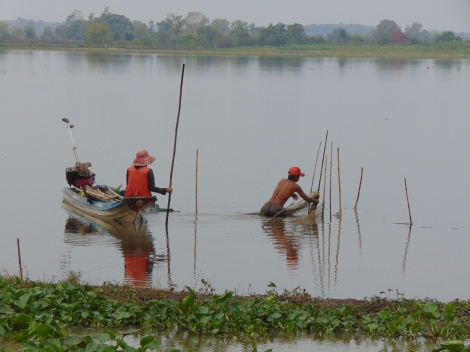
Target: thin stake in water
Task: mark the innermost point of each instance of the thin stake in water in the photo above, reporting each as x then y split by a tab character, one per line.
313	176
331	168
339	186
359	190
197	156
174	146
19	258
407	200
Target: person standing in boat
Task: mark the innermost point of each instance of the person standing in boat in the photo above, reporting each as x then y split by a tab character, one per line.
285	189
140	178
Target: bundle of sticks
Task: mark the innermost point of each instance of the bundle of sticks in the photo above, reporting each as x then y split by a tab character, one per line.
102	193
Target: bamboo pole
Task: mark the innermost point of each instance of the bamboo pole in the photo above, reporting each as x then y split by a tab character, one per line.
339	185
197	157
323	158
19	258
331	168
324	186
407	200
315	168
359	190
174	146
309	207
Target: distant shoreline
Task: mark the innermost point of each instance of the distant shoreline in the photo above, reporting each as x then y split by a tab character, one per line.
316	50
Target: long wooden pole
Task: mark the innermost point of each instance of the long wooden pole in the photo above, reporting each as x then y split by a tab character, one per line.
409	211
324	186
197	156
19	258
331	168
359	190
322	160
339	184
313	177
315	168
174	146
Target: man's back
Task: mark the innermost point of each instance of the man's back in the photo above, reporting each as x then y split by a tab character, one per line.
285	188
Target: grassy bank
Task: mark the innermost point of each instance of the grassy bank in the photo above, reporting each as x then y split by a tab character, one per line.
435	51
36	314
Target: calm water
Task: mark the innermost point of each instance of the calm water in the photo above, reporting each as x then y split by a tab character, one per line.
251	119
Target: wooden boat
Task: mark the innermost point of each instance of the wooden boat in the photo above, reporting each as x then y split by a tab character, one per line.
108	207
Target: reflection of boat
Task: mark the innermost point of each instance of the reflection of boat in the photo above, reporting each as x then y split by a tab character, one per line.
134	241
123	209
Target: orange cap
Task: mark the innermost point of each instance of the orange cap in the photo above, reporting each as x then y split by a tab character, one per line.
295	171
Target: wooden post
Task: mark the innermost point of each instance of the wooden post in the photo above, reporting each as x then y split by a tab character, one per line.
19	258
174	146
409	211
359	191
339	185
315	168
324	186
197	156
323	158
331	168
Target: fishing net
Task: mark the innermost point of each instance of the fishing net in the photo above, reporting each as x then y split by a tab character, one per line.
84	169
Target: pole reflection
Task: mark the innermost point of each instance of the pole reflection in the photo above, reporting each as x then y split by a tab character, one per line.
133	240
406	253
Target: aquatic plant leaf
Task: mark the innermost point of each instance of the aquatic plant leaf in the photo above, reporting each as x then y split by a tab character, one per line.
203	310
204	319
254	344
146	340
430	307
71	340
23	318
153	345
4	309
103	337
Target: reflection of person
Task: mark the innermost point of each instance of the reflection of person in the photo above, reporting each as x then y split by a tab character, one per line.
140	178
286	188
286	244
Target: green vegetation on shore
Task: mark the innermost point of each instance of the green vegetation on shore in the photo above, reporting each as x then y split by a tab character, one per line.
36	314
435	51
195	34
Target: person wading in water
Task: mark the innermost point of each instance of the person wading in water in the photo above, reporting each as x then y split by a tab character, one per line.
286	188
140	178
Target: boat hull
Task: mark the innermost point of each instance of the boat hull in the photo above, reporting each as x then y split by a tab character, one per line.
129	209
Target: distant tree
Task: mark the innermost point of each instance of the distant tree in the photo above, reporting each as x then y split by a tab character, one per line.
414	30
273	34
16	33
398	38
338	36
140	29
295	34
98	33
76	15
447	36
4	30
385	29
47	33
176	23
116	23
239	30
91	16
29	31
208	33
128	36
222	26
195	20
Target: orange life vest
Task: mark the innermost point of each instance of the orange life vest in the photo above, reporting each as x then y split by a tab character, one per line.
137	182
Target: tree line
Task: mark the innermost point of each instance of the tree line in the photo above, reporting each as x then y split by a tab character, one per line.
197	31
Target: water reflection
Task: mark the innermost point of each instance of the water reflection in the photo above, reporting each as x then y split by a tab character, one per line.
287	243
406	253
134	241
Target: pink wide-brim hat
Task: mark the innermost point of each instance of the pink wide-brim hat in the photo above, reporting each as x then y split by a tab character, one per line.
143	158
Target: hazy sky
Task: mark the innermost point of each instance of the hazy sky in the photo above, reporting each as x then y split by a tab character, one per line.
433	14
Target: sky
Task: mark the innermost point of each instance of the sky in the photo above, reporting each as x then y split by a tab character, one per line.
433	14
